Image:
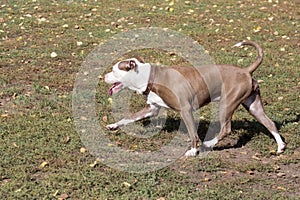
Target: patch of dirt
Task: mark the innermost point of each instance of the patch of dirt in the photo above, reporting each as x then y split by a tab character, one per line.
245	168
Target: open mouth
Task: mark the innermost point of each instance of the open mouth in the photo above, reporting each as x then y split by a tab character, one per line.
117	87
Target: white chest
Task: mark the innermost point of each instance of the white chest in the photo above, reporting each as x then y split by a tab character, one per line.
155	99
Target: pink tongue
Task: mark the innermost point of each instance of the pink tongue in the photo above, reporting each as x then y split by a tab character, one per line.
115	88
110	91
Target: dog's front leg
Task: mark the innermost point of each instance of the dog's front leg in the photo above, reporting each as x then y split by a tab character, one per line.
187	116
148	111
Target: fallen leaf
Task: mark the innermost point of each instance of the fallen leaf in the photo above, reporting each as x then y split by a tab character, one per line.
18	190
171	9
281	174
126	184
257	29
67	139
104	118
280	98
206	179
55	193
255	157
281	188
83	150
94	164
63	197
272	152
15	145
43	165
250	172
53	55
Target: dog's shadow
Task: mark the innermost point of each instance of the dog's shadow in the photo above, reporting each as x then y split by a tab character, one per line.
252	129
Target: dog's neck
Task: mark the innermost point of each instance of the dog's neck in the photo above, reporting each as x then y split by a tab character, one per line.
141	81
150	81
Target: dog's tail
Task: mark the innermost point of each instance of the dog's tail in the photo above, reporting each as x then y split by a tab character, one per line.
259	58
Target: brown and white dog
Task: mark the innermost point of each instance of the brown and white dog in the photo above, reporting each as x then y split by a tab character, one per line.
186	89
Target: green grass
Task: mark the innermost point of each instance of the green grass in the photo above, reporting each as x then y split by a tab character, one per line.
41	155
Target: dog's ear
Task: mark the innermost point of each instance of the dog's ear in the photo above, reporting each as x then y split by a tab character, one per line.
140	59
128	65
133	65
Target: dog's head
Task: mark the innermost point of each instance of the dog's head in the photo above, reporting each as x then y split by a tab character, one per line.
124	74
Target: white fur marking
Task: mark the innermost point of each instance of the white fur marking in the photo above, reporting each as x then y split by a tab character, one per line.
155	99
211	143
280	143
216	98
191	152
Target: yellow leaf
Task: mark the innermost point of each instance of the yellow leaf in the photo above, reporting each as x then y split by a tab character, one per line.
82	150
280	98
257	29
126	184
94	164
110	100
15	145
281	188
44	164
55	193
206	179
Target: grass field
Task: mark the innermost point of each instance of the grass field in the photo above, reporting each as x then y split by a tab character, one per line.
42	47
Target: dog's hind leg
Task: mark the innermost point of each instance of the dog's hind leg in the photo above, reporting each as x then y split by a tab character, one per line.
254	106
148	111
228	104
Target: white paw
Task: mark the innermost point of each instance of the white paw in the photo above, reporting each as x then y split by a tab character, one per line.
112	126
191	152
281	148
211	143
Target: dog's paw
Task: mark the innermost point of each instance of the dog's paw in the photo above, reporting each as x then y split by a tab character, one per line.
112	126
191	152
281	148
210	143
